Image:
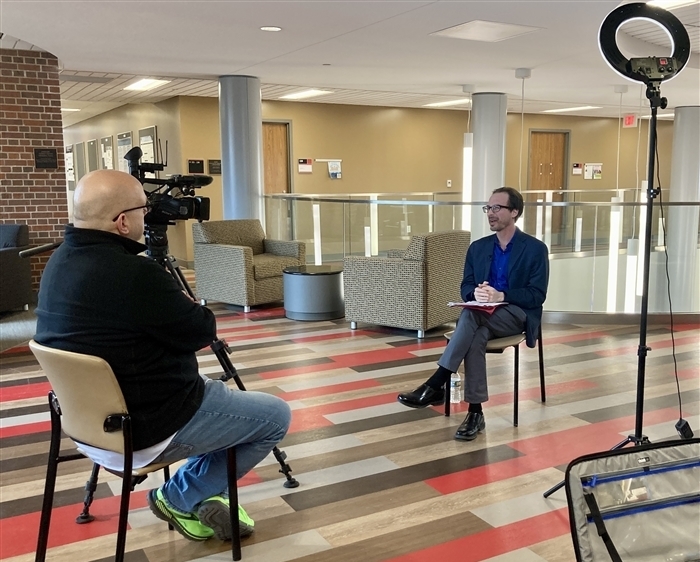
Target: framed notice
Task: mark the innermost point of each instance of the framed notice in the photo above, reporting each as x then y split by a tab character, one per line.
123	146
106	158
70	170
147	142
92	162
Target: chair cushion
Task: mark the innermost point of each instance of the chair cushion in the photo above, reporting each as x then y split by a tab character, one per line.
240	232
14	235
269	265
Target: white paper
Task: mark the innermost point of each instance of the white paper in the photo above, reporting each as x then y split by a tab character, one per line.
476	304
70	172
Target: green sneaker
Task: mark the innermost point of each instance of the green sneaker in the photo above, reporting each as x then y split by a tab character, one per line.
215	513
187	524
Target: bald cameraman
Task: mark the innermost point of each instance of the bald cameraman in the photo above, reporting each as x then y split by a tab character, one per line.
99	297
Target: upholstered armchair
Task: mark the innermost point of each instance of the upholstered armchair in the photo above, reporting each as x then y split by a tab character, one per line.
410	289
234	263
15	272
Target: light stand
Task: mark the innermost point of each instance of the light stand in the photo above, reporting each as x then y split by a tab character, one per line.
652	71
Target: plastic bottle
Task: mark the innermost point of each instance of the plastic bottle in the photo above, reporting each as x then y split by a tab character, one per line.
455	388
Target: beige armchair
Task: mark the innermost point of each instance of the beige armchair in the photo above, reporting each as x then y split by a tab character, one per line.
410	289
234	263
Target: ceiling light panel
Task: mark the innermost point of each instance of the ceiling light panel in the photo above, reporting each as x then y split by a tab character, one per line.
489	31
147	84
448	103
305	94
565	109
671	4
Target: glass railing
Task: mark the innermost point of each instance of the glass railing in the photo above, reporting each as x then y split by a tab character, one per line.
580	228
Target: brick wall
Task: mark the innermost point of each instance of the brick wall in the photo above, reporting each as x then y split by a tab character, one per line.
30	117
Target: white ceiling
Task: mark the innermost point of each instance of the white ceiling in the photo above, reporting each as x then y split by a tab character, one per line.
367	52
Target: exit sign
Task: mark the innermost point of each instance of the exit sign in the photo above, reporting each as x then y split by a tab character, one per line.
629	120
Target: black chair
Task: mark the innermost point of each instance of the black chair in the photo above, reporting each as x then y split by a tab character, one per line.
499	345
96	414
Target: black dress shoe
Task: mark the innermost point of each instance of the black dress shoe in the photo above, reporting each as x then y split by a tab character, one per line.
422	396
472	424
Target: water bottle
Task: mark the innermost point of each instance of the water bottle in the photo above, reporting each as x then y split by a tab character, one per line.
455	388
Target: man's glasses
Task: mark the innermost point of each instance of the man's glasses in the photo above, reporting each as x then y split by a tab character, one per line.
146	209
495	208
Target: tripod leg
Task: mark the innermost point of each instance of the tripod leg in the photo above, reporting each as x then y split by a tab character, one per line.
221	350
90	487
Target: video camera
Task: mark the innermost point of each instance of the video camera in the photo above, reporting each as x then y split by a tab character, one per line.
166	208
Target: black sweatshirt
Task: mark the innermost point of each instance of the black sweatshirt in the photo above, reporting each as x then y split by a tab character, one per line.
98	297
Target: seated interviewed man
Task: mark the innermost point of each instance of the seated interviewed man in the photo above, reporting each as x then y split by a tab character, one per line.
98	297
508	266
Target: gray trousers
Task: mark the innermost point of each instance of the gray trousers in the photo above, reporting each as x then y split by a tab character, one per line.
468	344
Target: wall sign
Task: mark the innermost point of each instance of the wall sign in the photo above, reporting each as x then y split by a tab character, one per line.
305	165
45	158
214	167
195	166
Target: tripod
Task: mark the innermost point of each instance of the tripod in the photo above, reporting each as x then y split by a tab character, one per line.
653	94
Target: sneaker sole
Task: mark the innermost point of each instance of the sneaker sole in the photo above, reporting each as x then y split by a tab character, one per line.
154	505
217	516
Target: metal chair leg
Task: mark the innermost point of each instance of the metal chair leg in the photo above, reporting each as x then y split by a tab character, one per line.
516	376
50	485
233	504
543	394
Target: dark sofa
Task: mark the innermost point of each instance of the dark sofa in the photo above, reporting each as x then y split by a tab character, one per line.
15	272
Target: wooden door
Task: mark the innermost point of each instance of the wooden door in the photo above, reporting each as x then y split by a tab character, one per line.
548	157
276	158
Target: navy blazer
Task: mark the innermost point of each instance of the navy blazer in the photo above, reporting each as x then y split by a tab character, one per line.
528	276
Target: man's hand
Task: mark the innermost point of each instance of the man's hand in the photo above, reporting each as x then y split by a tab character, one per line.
485	293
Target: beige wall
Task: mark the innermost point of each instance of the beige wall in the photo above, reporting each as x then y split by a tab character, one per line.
165	116
382	149
591	140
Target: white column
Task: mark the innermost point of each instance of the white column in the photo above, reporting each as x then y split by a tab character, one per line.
489	153
682	222
240	121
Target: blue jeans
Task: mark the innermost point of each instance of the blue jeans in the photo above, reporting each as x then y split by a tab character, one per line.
252	421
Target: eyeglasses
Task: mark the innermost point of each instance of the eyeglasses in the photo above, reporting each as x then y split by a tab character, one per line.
146	209
495	208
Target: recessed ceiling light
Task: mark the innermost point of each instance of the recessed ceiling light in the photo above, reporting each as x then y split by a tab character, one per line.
312	93
490	31
565	109
146	84
671	4
448	103
270	28
67	109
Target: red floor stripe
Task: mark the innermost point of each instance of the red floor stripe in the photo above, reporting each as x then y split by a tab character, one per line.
340	335
18	535
631	350
689	374
534	392
25	429
547	450
22	391
574	337
496	541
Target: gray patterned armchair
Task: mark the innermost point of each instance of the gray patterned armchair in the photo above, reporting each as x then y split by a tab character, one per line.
410	289
234	262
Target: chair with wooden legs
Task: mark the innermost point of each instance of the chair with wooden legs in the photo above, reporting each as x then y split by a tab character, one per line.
88	405
499	345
